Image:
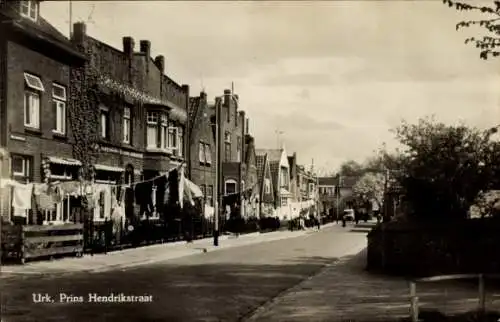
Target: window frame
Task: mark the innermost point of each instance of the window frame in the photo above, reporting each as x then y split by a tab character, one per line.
60	106
227	151
172	135
32	7
230	181
127	125
28	95
210	195
180	142
28	78
201	152
238	149
208	154
267	186
104	132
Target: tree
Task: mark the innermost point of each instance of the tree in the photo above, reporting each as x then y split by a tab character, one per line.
489	43
370	187
351	169
444	168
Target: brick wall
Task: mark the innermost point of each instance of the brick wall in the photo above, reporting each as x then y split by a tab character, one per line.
201	130
20	60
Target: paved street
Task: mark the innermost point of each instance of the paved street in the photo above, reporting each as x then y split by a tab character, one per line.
223	285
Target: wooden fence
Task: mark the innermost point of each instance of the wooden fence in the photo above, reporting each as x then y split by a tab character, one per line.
414	307
27	242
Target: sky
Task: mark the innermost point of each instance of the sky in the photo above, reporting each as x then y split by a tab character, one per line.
333	77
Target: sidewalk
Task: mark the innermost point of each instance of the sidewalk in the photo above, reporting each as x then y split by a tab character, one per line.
344	291
144	255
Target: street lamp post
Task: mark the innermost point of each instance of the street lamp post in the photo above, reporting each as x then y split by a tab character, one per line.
217	170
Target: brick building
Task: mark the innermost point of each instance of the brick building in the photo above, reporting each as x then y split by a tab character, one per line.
35	62
201	147
142	112
231	127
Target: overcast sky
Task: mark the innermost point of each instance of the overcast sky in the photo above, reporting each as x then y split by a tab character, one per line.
333	76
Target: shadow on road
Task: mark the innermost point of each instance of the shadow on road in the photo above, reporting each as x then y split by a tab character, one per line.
208	292
347	292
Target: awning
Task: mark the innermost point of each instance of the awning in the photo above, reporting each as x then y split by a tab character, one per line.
64	161
195	190
102	167
285	193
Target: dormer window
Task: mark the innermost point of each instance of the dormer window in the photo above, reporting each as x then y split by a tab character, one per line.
29	9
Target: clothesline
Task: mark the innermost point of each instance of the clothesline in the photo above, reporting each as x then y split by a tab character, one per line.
148	180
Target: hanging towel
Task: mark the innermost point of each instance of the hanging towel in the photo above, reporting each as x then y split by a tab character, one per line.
21	198
71	187
181	188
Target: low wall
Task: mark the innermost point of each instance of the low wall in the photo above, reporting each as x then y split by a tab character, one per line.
411	249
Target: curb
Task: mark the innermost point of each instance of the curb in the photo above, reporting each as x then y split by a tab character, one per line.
181	253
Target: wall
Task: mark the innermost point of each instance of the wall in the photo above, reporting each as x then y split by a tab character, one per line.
470	246
201	130
20	60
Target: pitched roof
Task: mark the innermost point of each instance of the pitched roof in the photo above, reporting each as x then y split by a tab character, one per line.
260	162
273	155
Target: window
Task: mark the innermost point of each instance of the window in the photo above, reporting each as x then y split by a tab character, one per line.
227	137
284	177
32	109
284	201
104	122
203	189
34	82
230	187
152	130
59	103
227	151
163	134
34	87
238	149
127	125
201	153
172	136
208	154
267	186
21	167
180	140
29	9
210	196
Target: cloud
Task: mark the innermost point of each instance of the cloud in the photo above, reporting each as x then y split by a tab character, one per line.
298	80
304	94
334	76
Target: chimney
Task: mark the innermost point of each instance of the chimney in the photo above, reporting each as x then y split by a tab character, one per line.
160	63
79	32
247	126
227	97
128	46
145	47
185	89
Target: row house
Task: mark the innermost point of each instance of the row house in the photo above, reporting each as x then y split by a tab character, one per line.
302	187
336	192
35	64
266	189
280	174
231	133
142	112
201	152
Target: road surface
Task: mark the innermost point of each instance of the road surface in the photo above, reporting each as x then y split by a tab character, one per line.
226	285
